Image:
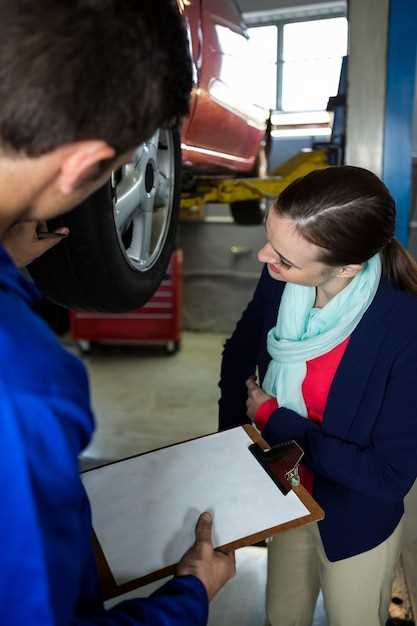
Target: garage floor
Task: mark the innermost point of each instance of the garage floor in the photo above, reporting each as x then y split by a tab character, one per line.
145	399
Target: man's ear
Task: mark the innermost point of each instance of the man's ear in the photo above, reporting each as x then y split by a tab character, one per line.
349	271
81	162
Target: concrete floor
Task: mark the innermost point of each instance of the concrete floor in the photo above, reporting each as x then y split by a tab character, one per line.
144	400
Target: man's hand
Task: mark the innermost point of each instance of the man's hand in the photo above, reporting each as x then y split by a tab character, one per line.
256	397
212	567
26	241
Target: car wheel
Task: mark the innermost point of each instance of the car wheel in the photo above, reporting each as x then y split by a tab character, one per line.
121	238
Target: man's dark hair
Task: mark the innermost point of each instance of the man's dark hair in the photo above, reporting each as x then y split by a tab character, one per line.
73	70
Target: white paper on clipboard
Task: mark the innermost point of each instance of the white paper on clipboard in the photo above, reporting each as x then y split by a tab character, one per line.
145	508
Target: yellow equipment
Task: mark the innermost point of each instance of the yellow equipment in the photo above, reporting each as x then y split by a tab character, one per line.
229	190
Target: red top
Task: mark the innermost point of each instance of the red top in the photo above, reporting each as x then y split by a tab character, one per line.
316	387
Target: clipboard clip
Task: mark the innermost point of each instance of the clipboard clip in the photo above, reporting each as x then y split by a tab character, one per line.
281	463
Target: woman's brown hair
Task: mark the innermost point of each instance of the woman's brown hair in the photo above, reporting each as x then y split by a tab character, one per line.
349	212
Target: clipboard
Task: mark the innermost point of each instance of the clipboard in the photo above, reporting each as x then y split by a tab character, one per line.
276	470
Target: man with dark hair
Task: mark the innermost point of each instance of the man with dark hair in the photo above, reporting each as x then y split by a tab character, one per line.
90	69
82	82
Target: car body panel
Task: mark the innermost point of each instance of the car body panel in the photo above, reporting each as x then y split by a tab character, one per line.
225	128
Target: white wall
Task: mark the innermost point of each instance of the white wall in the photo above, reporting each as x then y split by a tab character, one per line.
368	32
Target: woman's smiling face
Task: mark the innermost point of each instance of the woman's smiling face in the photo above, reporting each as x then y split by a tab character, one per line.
290	257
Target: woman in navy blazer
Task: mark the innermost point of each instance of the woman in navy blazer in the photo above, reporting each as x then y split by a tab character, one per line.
364	453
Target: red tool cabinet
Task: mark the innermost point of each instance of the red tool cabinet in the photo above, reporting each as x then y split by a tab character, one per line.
157	322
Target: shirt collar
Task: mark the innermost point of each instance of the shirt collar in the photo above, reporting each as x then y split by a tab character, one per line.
12	280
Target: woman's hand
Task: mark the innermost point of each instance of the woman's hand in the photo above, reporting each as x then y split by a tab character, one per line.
26	241
256	397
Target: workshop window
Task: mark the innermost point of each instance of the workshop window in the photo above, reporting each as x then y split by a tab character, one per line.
311	59
262	65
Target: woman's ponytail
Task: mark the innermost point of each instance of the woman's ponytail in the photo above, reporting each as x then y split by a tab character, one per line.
399	267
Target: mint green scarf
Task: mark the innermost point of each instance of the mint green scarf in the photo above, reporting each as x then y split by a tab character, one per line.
304	332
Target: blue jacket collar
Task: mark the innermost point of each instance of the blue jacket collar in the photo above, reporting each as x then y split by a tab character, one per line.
12	280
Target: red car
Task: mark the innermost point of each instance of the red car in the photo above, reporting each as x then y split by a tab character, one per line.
225	128
123	235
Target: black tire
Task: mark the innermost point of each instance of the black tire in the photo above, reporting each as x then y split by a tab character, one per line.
54	315
252	212
90	270
247	212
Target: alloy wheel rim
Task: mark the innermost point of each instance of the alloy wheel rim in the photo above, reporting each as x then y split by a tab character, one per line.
143	196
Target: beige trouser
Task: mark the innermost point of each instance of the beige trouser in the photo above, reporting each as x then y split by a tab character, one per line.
356	591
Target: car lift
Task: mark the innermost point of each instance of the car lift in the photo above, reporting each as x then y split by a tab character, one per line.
228	190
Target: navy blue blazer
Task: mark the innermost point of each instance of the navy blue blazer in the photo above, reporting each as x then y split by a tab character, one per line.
364	455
